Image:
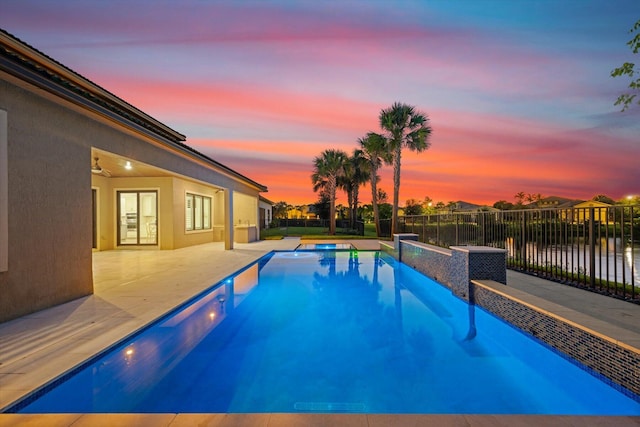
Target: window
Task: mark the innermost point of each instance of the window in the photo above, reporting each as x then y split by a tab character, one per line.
189	212
197	212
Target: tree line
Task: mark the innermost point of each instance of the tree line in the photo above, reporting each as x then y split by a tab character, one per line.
522	201
428	206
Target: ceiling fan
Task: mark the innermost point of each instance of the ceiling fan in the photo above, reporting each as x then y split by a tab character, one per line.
98	170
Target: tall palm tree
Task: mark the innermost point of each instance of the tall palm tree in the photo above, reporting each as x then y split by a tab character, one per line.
345	183
361	176
356	174
405	127
375	150
327	167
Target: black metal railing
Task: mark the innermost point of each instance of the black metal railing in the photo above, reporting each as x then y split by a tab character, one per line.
597	248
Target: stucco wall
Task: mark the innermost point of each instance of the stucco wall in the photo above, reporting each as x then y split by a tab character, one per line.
245	209
183	238
49	205
107	206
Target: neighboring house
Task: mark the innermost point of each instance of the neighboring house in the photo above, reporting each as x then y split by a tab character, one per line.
576	209
582	211
265	207
81	170
302	212
312	212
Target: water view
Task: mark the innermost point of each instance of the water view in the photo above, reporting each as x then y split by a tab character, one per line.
614	261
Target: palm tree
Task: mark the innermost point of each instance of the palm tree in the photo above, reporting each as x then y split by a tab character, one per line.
405	127
327	167
280	210
356	173
375	150
345	183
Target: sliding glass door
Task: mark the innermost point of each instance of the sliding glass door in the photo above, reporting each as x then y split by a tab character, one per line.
137	217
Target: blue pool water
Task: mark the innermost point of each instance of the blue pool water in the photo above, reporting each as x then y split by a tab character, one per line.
332	331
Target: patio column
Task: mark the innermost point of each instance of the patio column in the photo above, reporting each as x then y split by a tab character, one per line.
228	219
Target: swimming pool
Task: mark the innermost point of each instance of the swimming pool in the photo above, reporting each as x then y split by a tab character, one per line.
331	331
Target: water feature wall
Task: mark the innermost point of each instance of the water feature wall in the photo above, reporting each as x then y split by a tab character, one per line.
454	267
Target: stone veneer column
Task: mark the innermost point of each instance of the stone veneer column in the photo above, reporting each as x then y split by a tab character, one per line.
397	247
476	263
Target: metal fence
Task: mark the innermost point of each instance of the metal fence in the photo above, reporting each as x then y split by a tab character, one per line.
597	248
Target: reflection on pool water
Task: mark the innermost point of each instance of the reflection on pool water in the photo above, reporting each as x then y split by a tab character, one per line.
332	331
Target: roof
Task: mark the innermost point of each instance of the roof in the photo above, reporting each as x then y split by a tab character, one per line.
29	64
462	206
265	200
554	202
591	204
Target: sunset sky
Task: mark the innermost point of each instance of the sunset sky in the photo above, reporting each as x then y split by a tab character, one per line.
518	93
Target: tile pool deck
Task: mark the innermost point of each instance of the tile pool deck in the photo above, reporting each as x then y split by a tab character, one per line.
132	288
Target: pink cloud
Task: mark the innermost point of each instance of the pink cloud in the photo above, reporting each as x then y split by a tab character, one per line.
211	102
266	88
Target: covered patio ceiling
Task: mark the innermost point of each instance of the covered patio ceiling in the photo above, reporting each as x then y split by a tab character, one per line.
115	166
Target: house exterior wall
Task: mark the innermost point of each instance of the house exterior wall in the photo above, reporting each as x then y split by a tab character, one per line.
49	201
4	191
55	120
171	210
49	204
105	213
183	238
107	205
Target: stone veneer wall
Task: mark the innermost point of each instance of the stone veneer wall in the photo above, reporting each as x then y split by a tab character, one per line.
429	260
454	267
476	263
617	362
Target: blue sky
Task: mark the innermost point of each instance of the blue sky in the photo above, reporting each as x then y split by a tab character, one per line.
518	93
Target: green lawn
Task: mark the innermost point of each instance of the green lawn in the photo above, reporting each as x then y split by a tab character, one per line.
316	233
